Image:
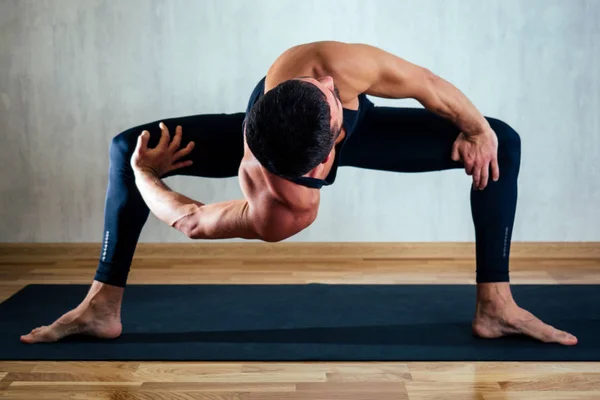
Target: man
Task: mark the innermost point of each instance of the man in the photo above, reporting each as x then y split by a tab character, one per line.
286	147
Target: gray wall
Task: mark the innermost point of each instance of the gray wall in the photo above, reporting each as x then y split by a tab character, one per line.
73	73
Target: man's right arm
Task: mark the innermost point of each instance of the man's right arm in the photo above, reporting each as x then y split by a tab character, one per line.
239	219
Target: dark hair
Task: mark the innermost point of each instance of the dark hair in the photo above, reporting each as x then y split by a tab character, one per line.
289	129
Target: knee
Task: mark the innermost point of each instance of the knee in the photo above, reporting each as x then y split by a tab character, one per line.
509	141
122	147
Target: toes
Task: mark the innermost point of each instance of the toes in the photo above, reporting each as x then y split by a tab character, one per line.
532	326
30	338
558	336
565	338
41	334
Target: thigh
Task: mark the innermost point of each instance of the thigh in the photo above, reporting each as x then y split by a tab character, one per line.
402	140
218	139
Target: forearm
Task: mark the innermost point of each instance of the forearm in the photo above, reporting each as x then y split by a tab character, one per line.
223	220
447	101
167	205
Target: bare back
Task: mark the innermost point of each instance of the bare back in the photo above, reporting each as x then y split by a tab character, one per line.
264	191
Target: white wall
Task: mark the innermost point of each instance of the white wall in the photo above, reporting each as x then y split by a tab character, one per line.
73	73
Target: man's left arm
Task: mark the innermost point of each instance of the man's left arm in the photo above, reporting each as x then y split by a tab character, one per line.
383	74
389	76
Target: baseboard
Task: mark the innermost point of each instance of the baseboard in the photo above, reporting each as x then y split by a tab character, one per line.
287	250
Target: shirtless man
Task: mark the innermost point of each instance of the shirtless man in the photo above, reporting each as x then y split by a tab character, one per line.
310	106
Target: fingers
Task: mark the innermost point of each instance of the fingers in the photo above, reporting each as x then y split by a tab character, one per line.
164	136
181	164
455	154
469	167
174	146
184	152
142	142
483	180
495	169
476	177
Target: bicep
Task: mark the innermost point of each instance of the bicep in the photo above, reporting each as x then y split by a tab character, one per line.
379	73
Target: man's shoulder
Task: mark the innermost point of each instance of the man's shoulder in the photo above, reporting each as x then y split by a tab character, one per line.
348	64
275	216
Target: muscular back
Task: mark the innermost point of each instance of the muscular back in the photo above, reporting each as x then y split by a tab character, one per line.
283	208
279	204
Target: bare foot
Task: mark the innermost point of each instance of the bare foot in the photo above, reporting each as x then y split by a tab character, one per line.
98	315
498	315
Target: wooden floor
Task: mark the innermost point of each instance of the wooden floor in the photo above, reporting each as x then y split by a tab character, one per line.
298	263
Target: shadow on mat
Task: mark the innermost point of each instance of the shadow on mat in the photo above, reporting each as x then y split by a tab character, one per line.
443	334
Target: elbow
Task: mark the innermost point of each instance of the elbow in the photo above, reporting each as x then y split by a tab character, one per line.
192	231
190	227
431	83
194	234
429	95
196	230
421	85
273	238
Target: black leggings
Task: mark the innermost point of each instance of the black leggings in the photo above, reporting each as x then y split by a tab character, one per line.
388	139
417	140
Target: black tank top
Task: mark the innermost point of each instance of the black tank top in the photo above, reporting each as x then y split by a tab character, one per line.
351	118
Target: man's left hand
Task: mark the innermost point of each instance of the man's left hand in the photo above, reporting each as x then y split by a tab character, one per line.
479	154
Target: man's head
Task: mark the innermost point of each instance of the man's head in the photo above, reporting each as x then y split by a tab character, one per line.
292	128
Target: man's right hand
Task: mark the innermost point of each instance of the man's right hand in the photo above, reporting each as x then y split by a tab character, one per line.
164	157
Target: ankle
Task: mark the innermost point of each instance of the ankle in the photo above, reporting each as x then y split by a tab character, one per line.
107	297
494	297
106	291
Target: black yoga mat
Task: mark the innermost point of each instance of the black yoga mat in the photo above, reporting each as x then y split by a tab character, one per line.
303	322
